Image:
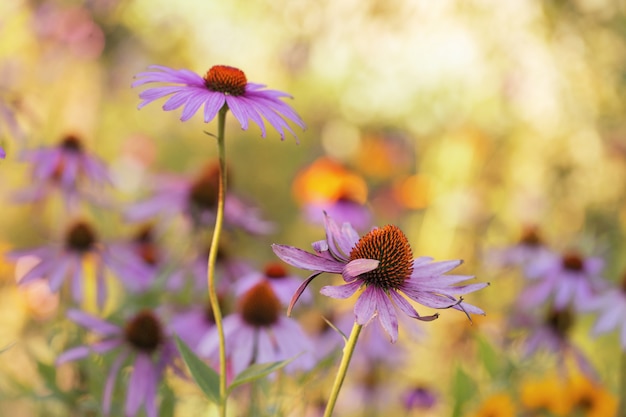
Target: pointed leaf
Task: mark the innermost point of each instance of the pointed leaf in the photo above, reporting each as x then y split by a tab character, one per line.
463	389
256	371
207	379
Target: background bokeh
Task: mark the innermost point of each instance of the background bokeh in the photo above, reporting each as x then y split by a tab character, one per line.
466	120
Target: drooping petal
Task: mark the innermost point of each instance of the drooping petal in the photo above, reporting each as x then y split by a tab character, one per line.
366	305
386	314
305	260
110	382
138	383
341	291
299	291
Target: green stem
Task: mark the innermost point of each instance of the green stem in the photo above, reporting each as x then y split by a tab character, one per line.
348	350
621	411
217	231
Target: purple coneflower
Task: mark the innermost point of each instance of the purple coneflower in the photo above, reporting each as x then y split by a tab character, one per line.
419	397
68	258
381	264
551	333
529	250
283	283
144	337
196	199
258	333
567	279
3	154
221	86
66	166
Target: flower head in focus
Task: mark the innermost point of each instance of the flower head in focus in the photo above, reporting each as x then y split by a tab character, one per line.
146	340
381	266
221	86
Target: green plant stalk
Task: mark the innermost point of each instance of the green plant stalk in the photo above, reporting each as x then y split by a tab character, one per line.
348	350
621	411
217	231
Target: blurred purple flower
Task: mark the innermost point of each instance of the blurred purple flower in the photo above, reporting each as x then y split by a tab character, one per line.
565	279
381	264
3	154
343	210
283	284
551	333
611	308
419	398
221	86
258	333
68	258
196	200
143	337
529	250
66	167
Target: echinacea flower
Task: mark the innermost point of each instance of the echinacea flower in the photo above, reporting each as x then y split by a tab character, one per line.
195	198
69	258
568	279
283	283
530	249
550	333
3	154
144	339
419	397
221	86
67	167
259	333
381	265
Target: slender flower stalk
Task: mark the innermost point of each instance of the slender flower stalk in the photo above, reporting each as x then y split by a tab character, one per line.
621	410
348	350
217	231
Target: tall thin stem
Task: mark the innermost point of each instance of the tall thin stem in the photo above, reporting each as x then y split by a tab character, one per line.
348	350
217	231
621	412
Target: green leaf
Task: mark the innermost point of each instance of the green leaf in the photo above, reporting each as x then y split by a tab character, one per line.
463	389
489	357
256	371
207	379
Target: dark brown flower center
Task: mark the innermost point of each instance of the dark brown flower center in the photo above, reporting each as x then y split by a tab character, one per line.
71	143
572	261
275	270
391	247
145	246
227	80
259	306
144	331
80	238
204	190
531	237
560	321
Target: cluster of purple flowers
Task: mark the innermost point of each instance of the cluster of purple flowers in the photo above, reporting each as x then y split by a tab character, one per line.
378	266
558	287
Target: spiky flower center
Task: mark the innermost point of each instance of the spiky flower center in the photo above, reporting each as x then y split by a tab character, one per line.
560	321
275	271
391	247
572	261
259	306
80	237
71	143
144	331
203	193
227	80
